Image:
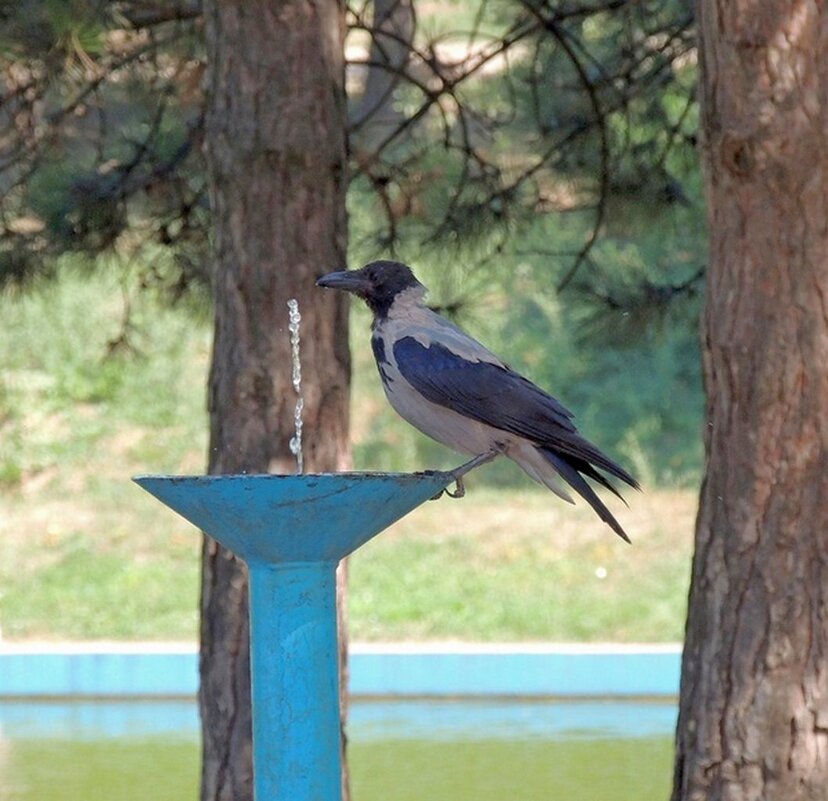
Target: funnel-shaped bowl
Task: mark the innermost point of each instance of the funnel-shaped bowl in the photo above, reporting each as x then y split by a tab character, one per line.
299	518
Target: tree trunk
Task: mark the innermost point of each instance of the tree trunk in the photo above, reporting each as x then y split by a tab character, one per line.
753	721
275	146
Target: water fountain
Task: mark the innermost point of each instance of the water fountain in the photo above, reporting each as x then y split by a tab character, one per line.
292	531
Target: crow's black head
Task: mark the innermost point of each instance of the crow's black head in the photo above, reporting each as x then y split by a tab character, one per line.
377	283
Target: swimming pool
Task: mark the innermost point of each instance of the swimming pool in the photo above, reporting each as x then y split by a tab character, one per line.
404	750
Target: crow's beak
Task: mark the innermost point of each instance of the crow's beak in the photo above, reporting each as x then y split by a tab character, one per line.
349	280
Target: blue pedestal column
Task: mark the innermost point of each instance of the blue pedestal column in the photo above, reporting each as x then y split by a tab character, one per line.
295	681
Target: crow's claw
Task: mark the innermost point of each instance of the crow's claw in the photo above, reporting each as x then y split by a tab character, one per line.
460	490
458	473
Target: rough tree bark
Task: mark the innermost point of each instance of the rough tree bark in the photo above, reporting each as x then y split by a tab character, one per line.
753	718
275	146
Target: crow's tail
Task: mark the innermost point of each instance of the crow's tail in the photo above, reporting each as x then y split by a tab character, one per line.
570	467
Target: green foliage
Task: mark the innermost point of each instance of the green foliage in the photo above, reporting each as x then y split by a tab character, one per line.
510	183
87	554
642	404
85	403
151	603
631	372
98	150
582	107
44	28
74	373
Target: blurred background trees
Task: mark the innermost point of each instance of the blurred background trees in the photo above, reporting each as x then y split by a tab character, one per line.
536	162
533	159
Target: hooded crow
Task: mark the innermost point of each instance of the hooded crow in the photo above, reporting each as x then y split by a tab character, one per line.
457	392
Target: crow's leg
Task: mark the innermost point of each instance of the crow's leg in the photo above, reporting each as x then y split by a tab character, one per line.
458	472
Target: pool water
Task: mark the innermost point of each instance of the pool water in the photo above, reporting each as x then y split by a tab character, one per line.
400	751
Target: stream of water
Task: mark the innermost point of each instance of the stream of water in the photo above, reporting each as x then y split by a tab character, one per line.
294	321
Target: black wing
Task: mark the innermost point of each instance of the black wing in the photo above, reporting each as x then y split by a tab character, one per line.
499	397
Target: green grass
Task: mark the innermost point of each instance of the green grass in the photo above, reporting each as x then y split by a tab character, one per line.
86	554
521	565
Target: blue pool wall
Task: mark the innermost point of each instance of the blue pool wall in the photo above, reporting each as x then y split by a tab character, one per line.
376	670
